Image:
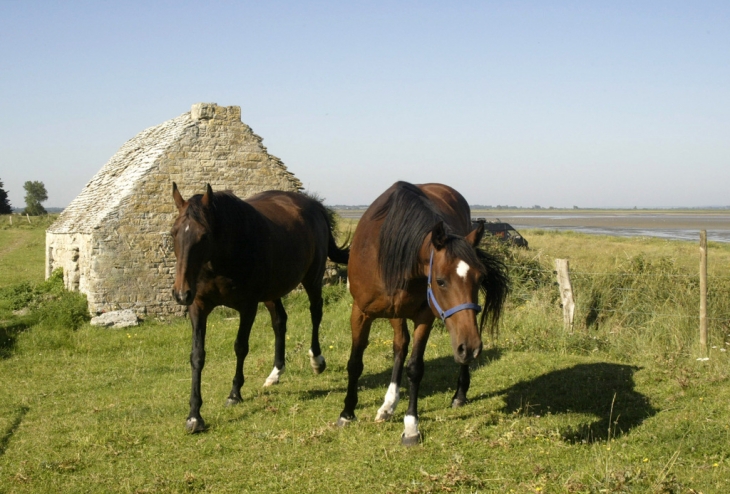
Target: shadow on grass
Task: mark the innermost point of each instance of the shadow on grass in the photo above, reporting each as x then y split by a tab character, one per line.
7	434
440	374
9	331
602	389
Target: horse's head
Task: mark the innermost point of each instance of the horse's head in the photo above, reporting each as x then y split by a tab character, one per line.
191	234
455	276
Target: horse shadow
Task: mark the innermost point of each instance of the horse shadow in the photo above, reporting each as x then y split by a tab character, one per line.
9	332
603	390
440	376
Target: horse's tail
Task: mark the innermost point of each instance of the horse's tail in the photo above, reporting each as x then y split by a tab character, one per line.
495	285
338	254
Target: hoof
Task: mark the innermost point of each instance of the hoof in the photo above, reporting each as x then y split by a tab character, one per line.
273	377
231	402
383	415
410	440
318	363
194	425
270	382
456	403
342	421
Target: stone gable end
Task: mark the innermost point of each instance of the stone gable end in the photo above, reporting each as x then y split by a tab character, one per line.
113	241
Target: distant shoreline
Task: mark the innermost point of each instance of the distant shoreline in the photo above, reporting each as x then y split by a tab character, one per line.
669	224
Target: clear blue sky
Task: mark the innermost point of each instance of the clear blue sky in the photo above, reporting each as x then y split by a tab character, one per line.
594	104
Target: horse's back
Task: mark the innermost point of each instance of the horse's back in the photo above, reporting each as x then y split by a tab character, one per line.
296	235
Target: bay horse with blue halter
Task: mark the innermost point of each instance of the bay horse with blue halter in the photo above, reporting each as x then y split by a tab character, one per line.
239	253
415	256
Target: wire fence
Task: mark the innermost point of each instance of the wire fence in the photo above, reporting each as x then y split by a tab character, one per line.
631	283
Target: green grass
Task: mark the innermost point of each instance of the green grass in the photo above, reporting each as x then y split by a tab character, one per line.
103	410
22	248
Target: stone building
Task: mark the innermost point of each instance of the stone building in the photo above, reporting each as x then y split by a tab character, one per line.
113	241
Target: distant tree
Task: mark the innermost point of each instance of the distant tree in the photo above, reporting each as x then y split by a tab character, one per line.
4	202
35	194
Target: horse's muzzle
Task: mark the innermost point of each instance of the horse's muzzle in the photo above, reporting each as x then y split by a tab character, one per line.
465	355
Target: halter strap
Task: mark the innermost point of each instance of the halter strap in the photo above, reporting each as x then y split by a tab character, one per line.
433	303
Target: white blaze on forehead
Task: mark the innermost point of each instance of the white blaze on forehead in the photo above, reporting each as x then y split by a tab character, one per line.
462	269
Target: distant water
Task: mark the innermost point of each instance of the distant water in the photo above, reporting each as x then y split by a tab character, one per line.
671	225
666	233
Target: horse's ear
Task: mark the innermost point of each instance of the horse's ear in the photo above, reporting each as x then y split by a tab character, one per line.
208	196
476	235
179	201
438	236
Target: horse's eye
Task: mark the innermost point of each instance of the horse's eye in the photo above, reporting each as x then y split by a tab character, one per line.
441	282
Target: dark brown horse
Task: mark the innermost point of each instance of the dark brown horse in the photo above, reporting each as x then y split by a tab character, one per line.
239	253
414	256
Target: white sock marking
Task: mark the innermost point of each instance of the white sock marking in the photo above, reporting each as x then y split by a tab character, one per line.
411	426
389	403
462	269
316	362
273	377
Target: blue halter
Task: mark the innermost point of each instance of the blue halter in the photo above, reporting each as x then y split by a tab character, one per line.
433	303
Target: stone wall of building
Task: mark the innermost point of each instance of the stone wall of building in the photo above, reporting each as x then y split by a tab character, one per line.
72	253
120	227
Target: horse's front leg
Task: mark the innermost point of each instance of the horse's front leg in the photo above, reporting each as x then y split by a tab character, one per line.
411	435
278	322
401	340
360	324
248	314
198	318
462	386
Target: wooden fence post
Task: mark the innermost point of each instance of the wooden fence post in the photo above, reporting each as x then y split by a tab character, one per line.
27	216
703	293
566	293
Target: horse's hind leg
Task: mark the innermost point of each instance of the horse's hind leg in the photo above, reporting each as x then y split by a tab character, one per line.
462	386
248	314
314	292
278	321
360	324
401	339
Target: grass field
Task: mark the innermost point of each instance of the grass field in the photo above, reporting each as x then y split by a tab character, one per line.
620	405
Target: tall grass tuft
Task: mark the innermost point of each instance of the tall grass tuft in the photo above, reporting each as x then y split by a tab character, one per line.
47	307
629	306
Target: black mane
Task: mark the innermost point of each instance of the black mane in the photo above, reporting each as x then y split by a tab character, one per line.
226	212
409	217
232	223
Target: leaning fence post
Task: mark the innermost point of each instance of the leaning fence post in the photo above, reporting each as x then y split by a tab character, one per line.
27	216
566	293
703	292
